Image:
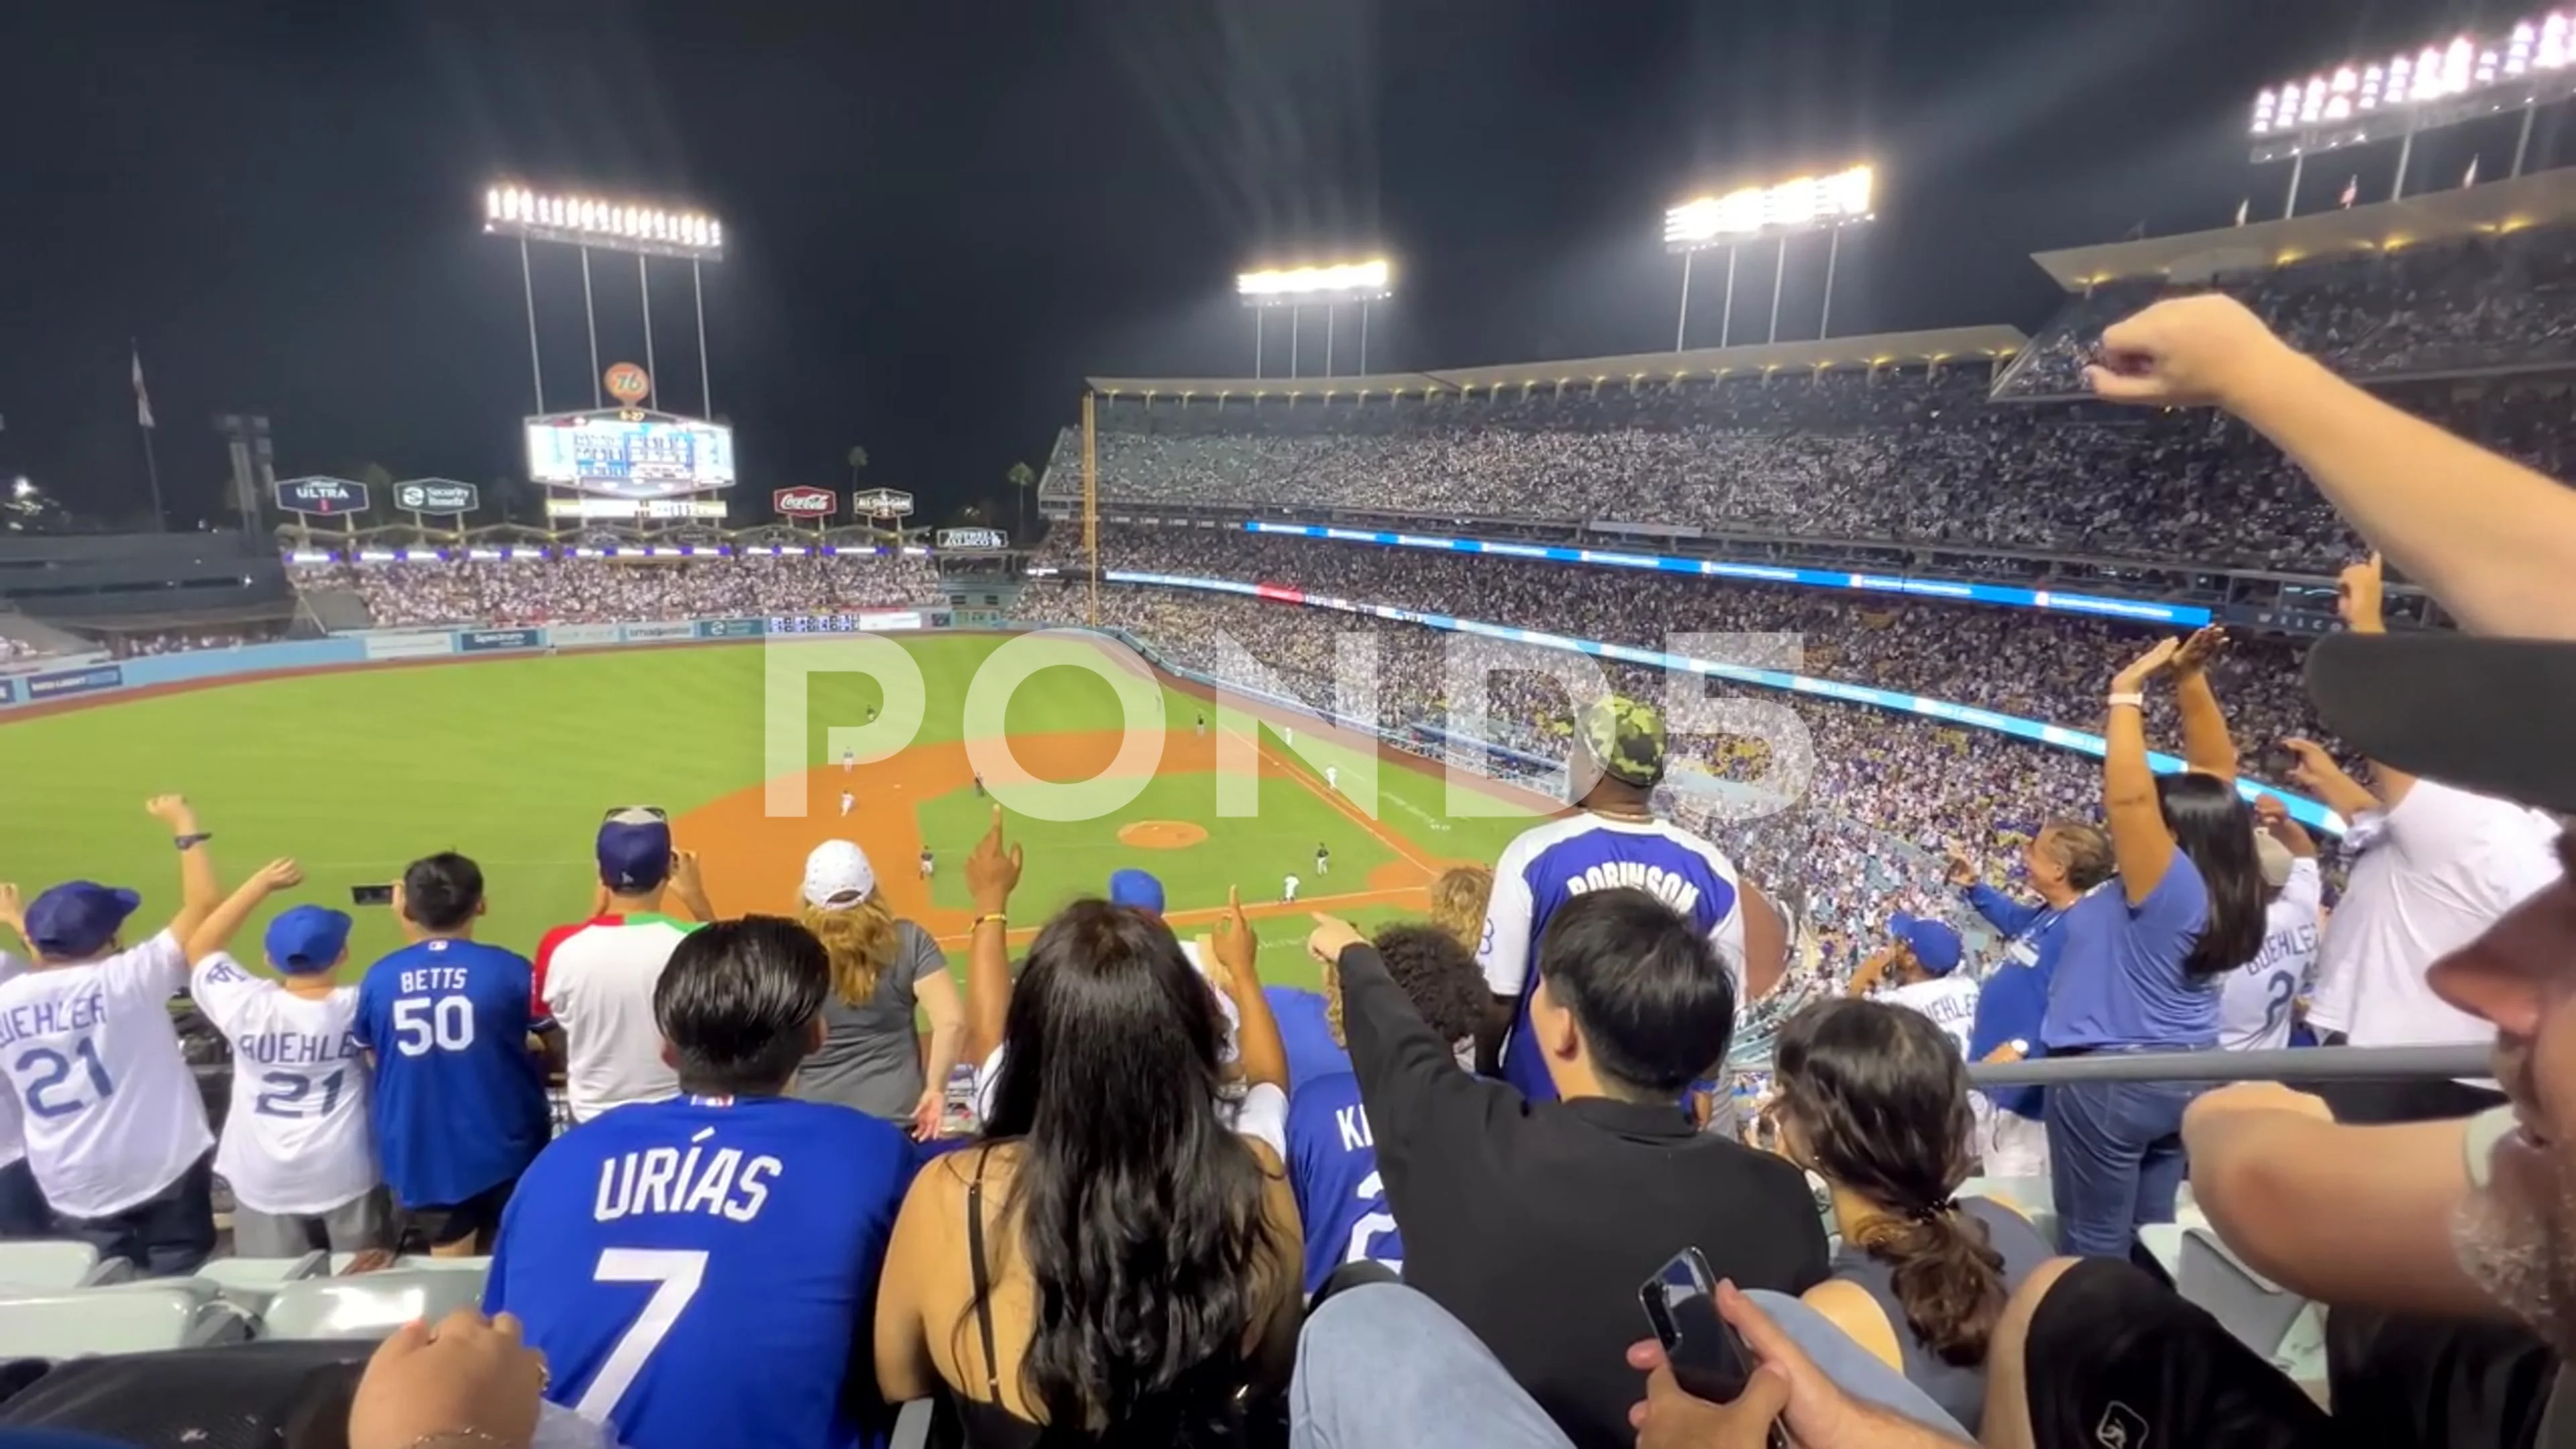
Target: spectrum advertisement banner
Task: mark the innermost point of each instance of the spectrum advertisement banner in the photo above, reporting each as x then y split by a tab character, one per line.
731	628
661	632
580	634
409	646
74	681
486	641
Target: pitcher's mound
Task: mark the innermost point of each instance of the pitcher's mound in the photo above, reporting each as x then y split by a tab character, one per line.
1161	834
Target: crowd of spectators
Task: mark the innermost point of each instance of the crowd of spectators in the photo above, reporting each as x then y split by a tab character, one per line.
2468	305
619	591
1898	454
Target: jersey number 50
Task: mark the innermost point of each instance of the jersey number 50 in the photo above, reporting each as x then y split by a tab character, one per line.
421	1023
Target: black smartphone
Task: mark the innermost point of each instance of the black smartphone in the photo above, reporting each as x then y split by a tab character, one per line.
656	811
371	895
1708	1358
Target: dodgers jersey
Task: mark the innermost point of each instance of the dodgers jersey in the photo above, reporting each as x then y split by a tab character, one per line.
112	1112
13	1131
296	1138
1332	1166
699	1271
2254	1002
460	1106
1548	865
1950	1001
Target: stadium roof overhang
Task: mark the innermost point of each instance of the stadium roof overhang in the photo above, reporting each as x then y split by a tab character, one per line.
2491	208
1952	344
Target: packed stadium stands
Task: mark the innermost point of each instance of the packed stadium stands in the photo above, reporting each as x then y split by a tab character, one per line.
598	591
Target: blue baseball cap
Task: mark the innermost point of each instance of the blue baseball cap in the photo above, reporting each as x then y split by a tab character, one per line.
1935	945
1137	890
306	939
77	918
634	851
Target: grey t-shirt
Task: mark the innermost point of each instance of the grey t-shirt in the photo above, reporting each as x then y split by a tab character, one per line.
871	1056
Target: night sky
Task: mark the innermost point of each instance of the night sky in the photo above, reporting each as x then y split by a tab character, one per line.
942	215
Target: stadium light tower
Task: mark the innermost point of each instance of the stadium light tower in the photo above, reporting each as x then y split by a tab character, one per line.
1792	208
2530	65
592	224
1297	288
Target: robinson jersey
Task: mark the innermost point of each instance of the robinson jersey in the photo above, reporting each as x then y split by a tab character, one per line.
459	1105
296	1139
1950	1001
2254	1002
1332	1166
112	1112
1548	865
698	1271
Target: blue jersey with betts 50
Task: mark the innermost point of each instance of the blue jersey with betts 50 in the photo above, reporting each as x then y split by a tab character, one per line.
1332	1165
1548	865
460	1107
703	1270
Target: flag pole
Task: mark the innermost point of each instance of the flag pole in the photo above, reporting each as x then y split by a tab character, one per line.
143	420
152	475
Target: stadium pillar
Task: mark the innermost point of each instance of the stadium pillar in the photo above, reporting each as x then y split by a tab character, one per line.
1295	316
1681	329
590	319
1779	274
527	284
2298	166
644	279
1328	339
1257	320
1833	254
1726	319
1364	306
2405	154
698	298
1091	503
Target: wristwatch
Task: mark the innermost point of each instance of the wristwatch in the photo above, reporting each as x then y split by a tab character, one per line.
191	842
2131	698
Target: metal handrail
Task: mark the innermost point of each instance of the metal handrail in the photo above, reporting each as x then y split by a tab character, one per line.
2296	1064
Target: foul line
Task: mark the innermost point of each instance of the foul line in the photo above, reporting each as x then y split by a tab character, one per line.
1338	801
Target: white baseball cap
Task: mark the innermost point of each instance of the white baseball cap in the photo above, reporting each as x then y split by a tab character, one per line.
838	876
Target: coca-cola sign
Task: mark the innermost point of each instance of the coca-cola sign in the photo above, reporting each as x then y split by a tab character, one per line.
806	502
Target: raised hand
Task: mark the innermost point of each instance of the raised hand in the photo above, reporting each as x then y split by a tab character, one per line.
282	874
2196	652
1961	870
1332	935
173	811
2186	351
2147	666
1238	946
2359	594
2269	812
2312	766
992	870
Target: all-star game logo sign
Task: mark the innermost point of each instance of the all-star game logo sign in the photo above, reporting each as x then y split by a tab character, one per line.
881	503
628	383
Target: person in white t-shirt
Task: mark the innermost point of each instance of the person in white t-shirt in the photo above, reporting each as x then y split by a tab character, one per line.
116	1132
1919	971
1288	889
2256	1000
595	978
23	1213
296	1148
1332	777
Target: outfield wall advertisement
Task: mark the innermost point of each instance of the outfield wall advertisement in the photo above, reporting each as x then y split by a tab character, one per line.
74	681
409	646
581	636
489	641
665	631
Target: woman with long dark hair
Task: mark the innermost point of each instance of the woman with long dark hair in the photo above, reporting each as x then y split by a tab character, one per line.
1873	1098
2142	963
1112	1263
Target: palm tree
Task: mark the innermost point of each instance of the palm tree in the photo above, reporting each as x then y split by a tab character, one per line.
858	458
1021	480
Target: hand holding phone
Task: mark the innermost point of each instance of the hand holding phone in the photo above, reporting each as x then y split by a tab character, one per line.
1707	1357
371	895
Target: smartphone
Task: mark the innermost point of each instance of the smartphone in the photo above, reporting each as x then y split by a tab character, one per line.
1708	1358
656	811
371	895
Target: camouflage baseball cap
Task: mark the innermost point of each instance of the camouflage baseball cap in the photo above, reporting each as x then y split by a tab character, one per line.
1626	739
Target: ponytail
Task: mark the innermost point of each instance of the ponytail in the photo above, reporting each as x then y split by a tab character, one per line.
860	939
1949	1280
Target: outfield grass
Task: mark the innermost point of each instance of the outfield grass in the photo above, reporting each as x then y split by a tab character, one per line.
513	761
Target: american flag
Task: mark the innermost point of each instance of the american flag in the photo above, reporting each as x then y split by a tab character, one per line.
142	399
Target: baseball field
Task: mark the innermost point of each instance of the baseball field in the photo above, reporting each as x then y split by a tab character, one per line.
514	761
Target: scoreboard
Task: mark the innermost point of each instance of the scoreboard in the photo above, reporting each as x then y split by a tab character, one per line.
630	453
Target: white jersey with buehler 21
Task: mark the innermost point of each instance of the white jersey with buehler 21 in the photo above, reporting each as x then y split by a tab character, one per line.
1548	865
701	1271
460	1107
295	1137
112	1111
2256	1000
1332	1166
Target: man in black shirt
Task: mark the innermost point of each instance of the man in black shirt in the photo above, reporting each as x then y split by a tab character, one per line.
1534	1223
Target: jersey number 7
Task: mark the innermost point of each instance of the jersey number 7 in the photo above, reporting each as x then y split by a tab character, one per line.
675	1276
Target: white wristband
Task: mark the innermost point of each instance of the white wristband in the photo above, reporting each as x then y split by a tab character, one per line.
2132	699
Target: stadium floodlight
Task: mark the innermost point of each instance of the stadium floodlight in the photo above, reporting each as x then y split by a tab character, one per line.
1328	286
2523	67
591	223
1791	208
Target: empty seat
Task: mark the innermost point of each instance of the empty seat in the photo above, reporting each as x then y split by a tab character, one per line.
57	1263
369	1305
249	1283
140	1319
